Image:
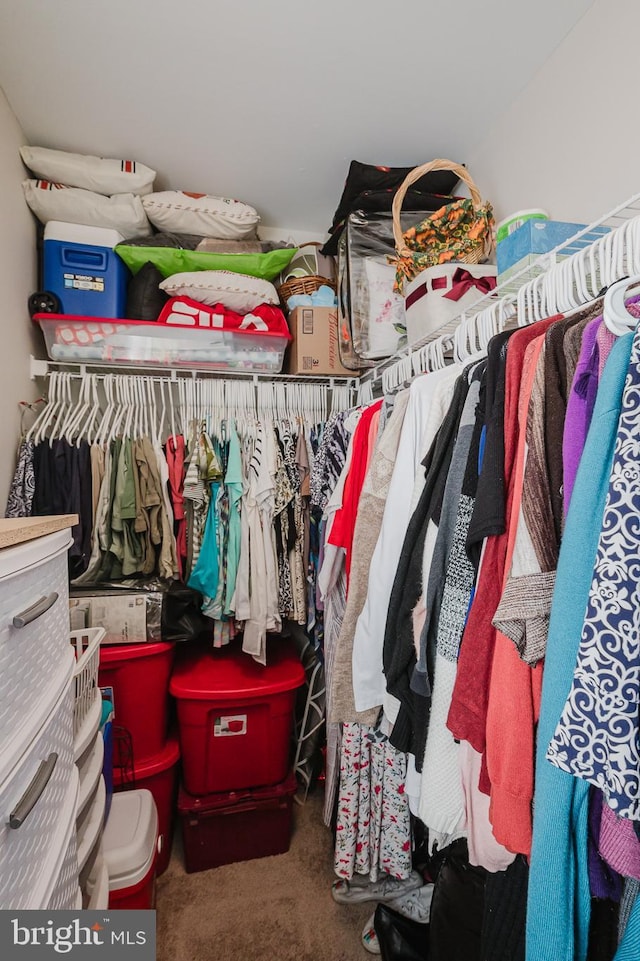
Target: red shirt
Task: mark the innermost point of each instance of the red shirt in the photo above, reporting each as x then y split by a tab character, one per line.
344	522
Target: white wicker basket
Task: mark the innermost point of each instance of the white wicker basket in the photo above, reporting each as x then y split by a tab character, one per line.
86	646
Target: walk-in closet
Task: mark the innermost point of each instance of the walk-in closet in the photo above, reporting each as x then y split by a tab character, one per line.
320	552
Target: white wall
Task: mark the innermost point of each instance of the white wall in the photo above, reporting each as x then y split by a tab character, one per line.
570	143
18	277
268	102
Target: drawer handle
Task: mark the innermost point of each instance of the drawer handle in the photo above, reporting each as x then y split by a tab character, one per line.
41	606
33	793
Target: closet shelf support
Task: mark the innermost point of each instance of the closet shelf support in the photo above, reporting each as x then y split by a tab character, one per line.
37	368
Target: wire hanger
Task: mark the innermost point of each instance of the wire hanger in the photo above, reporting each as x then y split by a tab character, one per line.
87	429
118	408
35	430
83	410
75	430
61	420
616	316
103	428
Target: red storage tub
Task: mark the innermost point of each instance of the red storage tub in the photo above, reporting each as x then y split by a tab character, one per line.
235	717
139	675
236	825
158	774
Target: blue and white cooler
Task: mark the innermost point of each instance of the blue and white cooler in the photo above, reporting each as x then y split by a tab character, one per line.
83	270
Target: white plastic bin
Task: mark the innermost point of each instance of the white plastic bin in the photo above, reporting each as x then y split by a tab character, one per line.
130	844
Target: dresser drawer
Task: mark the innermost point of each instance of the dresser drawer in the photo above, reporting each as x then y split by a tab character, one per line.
37	802
90	768
65	891
91	825
34	639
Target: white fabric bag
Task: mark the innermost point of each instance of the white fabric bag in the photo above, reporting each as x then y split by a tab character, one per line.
440	293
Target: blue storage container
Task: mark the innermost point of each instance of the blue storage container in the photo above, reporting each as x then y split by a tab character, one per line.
83	270
520	248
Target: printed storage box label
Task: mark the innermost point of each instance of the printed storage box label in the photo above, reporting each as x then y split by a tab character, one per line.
230	725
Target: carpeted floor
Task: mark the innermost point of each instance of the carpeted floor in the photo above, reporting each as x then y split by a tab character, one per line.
277	909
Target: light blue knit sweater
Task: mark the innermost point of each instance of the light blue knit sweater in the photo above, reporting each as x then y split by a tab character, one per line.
558	911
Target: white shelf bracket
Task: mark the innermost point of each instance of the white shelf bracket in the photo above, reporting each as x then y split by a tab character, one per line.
37	368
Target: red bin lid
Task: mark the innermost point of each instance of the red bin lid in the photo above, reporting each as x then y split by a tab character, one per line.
231	674
114	653
167	758
190	804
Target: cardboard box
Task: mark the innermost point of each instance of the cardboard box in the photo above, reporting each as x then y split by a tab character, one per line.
128	617
314	349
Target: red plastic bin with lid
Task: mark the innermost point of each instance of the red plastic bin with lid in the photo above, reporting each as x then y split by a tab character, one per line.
159	775
235	717
139	675
236	825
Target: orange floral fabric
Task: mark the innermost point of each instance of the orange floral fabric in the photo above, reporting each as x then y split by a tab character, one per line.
453	233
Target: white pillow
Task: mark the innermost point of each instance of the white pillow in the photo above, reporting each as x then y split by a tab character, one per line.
386	309
122	212
99	174
185	213
236	292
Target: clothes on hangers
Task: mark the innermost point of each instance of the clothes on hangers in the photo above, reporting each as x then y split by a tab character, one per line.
373	832
598	735
467	619
340	701
332	590
429	398
23	483
559	896
451	579
175	453
62	485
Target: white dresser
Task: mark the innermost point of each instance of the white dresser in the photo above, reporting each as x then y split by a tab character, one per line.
39	778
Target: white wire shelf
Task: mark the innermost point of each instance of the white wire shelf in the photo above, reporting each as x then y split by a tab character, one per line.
41	368
509	288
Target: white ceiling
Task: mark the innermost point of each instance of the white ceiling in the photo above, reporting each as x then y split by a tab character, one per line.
269	101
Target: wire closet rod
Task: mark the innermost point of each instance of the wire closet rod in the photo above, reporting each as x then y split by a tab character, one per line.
41	368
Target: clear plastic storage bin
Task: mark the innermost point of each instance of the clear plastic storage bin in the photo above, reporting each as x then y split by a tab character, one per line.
105	341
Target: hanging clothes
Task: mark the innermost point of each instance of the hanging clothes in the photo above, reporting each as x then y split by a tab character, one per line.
175	454
428	401
332	588
258	598
451	576
22	489
341	706
97	454
559	898
598	735
233	482
373	830
399	655
343	526
467	718
299	553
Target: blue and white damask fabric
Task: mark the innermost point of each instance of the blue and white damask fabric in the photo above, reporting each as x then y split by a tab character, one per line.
598	735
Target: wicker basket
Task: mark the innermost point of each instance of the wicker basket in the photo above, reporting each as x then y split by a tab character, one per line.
86	647
476	252
303	285
297	286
